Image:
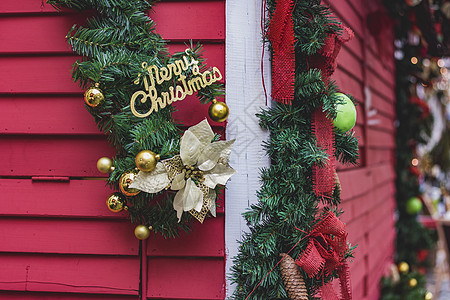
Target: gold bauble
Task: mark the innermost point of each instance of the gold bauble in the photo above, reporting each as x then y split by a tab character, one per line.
93	96
412	282
105	165
428	296
218	111
146	160
115	202
125	181
142	232
403	267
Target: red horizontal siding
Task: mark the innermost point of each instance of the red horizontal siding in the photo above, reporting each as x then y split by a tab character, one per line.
76	199
186	278
74	236
44	74
368	191
51	75
29	295
196	20
106	237
9	7
68	273
52	155
45	35
348	84
67	114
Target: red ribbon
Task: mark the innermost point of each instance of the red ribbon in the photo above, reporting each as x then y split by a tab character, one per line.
325	253
325	60
281	36
423	106
322	127
323	176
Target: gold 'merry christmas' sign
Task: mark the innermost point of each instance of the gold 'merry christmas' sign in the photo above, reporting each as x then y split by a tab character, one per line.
156	76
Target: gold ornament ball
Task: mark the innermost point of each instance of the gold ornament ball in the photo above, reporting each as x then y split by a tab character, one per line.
124	182
428	296
218	111
146	160
115	202
403	267
105	165
142	232
412	282
93	96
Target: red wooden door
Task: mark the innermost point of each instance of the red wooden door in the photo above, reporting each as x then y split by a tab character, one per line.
57	239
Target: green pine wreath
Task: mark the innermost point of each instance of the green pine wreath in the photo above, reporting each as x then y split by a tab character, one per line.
113	44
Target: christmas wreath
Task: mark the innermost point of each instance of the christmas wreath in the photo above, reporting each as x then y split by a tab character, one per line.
131	82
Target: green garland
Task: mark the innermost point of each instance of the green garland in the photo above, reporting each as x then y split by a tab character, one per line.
286	198
411	237
114	44
407	286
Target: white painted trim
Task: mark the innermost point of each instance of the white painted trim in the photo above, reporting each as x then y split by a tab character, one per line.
245	97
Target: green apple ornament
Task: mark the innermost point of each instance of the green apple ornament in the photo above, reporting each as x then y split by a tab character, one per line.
413	206
346	114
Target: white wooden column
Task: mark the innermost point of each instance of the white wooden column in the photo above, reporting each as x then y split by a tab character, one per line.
245	97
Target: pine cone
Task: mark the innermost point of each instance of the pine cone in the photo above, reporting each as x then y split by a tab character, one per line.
337	182
293	279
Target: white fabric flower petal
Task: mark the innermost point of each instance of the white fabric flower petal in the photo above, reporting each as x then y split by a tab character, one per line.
151	182
190	148
178	182
203	132
218	175
194	141
226	151
212	202
211	154
190	197
178	206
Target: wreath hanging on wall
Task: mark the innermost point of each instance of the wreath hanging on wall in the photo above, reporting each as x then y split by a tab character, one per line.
131	81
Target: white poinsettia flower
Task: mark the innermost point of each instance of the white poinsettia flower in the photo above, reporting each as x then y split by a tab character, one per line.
152	182
205	166
194	173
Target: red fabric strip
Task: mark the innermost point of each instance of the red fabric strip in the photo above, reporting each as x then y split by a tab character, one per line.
281	35
325	253
323	176
325	60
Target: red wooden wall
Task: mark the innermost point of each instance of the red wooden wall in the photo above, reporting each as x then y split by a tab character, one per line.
57	239
366	64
